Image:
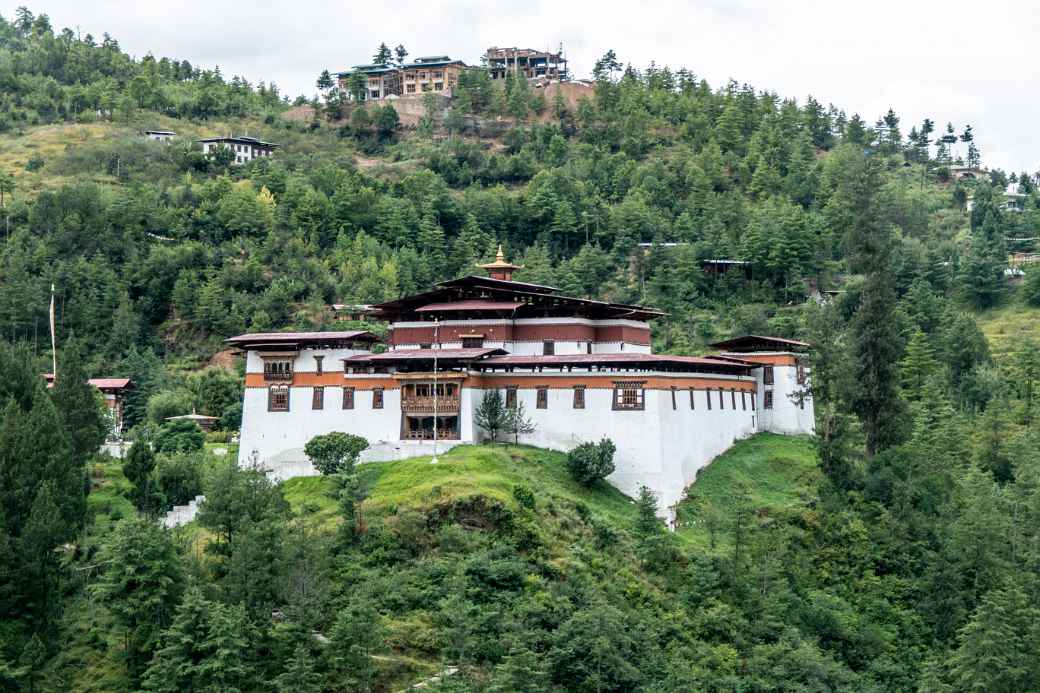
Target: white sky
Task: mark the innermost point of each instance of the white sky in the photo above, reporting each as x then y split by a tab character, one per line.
951	60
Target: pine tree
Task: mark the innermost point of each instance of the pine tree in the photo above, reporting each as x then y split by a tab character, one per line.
491	414
918	365
355	636
521	671
324	81
647	521
382	55
79	405
299	675
982	270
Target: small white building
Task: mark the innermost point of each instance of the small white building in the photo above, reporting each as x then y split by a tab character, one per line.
583	370
160	135
243	148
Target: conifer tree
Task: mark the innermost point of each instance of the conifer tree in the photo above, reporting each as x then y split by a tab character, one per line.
382	55
79	405
299	675
918	365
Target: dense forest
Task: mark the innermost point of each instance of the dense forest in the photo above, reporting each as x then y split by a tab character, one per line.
910	565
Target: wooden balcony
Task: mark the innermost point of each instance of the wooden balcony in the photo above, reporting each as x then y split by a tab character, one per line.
424	405
272	377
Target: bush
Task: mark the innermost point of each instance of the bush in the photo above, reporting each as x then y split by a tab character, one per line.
590	462
179	436
167	403
335	452
524	496
178	478
1031	285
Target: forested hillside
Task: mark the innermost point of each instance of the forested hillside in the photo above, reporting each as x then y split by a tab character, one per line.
906	562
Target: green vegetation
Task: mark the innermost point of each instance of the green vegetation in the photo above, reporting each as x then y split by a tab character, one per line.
895	550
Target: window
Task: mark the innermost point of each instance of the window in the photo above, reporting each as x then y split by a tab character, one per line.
588	347
548	348
743	401
278	398
409	88
693	404
674	404
472	342
278	369
707	397
629	396
348	398
318	398
511	397
801	402
753	398
801	372
733	399
377	398
425	345
437	74
542	400
768	404
722	402
318	364
767	375
579	396
438	86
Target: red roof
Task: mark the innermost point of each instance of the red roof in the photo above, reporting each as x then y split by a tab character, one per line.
293	337
624	358
754	342
110	383
424	354
473	304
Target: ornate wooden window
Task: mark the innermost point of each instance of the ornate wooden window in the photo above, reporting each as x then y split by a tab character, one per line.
767	375
348	398
377	398
548	348
579	396
318	398
675	405
278	369
472	342
511	397
629	395
768	403
318	364
542	398
278	398
693	404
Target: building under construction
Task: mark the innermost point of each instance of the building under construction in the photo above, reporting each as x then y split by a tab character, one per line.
531	63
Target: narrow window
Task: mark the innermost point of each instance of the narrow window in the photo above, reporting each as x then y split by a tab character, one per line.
318	398
579	396
767	375
768	404
348	398
511	397
548	348
754	397
377	398
693	404
588	347
674	404
722	402
707	398
801	402
278	398
318	364
542	402
743	401
801	372
733	399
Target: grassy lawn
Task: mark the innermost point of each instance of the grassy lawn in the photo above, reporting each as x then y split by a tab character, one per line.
465	472
768	474
1007	326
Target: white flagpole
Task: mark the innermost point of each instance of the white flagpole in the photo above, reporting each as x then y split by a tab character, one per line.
54	343
436	348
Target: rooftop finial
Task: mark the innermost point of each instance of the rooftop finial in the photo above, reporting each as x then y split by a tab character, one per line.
500	269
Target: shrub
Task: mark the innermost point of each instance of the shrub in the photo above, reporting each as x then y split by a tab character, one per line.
178	478
335	452
168	403
524	496
179	436
590	462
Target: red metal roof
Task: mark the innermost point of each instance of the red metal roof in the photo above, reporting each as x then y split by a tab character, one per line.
472	304
754	342
110	383
282	337
424	354
631	357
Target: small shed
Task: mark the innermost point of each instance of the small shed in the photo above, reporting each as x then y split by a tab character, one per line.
204	422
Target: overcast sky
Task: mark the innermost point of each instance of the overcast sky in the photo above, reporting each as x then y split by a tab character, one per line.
954	60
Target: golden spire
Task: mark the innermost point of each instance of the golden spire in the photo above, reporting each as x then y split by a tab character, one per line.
500	269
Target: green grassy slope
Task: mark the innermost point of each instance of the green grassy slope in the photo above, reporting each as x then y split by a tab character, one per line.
1006	326
767	474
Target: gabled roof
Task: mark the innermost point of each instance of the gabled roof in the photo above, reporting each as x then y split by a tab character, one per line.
110	383
292	339
754	342
240	139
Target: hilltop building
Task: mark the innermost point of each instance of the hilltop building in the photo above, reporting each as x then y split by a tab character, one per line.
583	370
526	62
434	74
113	390
160	135
244	148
